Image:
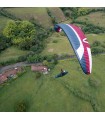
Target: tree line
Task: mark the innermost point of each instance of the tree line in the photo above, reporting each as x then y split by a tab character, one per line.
74	12
90	28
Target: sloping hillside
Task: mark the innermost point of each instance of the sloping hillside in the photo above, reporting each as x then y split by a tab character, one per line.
39	14
72	92
57	12
97	18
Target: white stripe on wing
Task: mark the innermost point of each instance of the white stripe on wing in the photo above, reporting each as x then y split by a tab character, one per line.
84	40
90	59
80	50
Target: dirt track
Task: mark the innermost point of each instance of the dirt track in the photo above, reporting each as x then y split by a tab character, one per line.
2	69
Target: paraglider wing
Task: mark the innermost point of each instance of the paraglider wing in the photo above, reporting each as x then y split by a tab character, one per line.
79	44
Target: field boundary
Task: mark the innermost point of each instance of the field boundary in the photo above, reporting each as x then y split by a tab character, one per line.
81	95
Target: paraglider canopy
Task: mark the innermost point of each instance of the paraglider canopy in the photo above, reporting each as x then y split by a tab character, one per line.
79	44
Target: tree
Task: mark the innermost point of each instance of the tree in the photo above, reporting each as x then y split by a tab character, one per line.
34	58
74	13
67	13
20	32
45	62
83	11
4	42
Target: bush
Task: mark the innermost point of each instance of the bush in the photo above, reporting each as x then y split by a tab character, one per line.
35	58
103	45
51	65
96	43
4	43
55	41
93	82
67	13
95	106
21	106
97	47
96	50
53	18
38	75
22	72
31	53
5	13
11	61
55	61
22	58
45	62
49	58
90	28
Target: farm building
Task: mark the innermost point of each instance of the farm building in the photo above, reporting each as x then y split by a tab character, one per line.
12	71
8	73
3	78
39	68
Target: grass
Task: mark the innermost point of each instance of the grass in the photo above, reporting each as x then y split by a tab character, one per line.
57	13
49	94
11	53
3	21
62	45
39	14
97	18
96	37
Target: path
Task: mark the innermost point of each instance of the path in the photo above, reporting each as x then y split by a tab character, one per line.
28	64
2	69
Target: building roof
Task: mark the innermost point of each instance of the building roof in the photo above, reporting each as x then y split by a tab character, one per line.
38	68
12	71
3	78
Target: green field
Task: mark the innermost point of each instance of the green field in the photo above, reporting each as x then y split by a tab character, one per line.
96	18
57	13
71	93
96	37
11	53
57	44
49	94
62	45
39	14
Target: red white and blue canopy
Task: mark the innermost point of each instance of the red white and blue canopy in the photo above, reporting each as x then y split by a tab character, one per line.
79	44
